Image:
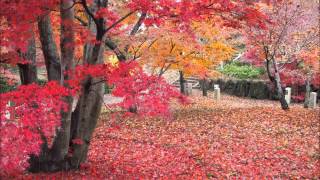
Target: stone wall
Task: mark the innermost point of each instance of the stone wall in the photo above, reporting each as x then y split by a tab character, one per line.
257	89
244	88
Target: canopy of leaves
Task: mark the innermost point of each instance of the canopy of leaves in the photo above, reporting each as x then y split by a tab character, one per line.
35	112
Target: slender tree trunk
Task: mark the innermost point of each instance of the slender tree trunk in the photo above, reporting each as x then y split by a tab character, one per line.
277	82
181	79
204	87
28	72
308	90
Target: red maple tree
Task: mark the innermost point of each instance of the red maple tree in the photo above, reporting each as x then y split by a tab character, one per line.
74	36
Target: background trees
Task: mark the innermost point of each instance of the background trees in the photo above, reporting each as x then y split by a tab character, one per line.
293	29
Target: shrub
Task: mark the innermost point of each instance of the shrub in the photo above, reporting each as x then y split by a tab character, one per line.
241	70
5	86
41	82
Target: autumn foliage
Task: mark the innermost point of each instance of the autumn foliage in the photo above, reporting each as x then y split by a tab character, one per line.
54	122
29	117
206	140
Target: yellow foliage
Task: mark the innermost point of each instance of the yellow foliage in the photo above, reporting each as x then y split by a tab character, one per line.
112	59
194	56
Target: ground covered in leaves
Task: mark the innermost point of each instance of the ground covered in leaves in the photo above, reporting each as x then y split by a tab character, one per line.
206	139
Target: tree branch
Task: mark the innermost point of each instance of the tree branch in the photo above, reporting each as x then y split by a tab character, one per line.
113	46
82	22
86	8
119	21
138	24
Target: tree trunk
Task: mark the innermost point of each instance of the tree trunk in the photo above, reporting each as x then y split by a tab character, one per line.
85	116
204	87
308	90
60	146
181	79
28	72
55	158
82	121
43	162
49	49
277	82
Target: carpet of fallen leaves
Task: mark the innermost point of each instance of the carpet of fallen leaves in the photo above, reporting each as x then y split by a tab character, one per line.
232	138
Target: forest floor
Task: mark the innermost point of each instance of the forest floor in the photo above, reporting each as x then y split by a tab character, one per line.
232	138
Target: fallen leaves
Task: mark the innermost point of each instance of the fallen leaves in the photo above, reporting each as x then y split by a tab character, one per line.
207	140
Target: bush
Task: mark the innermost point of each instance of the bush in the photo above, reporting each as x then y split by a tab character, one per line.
5	87
41	82
241	70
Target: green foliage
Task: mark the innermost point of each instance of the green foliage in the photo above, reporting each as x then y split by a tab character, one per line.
41	82
4	86
107	89
241	70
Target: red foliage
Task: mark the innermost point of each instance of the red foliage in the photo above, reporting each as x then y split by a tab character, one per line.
33	116
222	140
16	24
299	98
292	77
35	112
150	95
183	12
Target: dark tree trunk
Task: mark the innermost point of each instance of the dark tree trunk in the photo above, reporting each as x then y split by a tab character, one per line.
55	158
204	87
277	82
82	121
308	90
49	49
275	79
85	116
28	72
60	146
283	102
181	80
44	162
